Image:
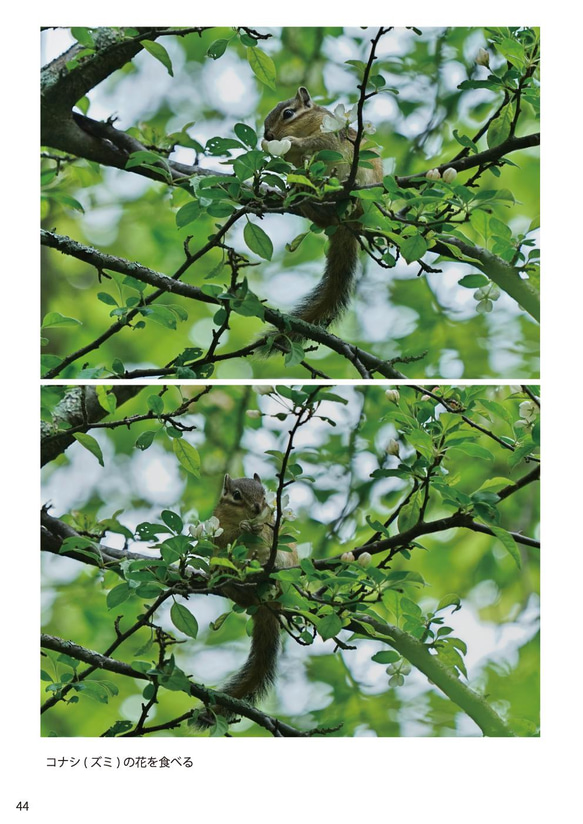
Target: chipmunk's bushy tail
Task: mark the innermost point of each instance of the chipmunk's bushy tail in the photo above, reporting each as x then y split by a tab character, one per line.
331	296
329	299
257	674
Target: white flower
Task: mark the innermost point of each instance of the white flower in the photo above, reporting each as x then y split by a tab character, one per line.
528	410
486	294
433	174
288	514
392	395
365	559
340	119
213	526
347	557
196	530
449	175
264	390
277	148
369	128
483	58
206	529
484	307
253	413
392	448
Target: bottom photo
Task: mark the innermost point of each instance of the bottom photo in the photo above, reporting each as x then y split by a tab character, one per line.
290	561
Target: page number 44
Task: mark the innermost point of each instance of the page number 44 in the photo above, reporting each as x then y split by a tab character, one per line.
22	805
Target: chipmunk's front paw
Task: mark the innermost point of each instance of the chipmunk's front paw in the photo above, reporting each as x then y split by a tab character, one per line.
250	526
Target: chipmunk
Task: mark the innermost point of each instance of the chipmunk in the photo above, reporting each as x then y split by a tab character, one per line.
242	508
299	120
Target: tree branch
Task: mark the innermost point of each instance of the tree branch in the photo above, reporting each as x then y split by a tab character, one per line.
444	678
166	284
96	660
78	409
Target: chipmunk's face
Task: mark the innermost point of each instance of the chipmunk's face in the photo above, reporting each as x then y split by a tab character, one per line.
243	497
285	119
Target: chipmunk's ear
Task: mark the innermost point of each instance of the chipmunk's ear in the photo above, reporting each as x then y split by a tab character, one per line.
303	97
257	478
226	484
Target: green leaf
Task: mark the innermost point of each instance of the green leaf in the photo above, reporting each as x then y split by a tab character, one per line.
329	626
246	165
409	514
187	455
246	134
106	398
118	595
159	52
508	542
105	297
217	49
83	36
499	129
145	439
184	620
473	281
262	66
386	657
155	404
188	213
413	248
172	520
52	319
89	442
258	241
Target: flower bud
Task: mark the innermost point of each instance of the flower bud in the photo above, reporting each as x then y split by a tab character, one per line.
392	395
253	413
365	559
196	530
347	557
392	448
449	175
483	58
433	174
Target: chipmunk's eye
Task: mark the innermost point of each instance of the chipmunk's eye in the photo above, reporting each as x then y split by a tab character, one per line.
287	113
236	495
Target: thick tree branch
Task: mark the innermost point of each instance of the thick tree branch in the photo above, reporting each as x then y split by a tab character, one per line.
160	281
444	678
79	408
504	274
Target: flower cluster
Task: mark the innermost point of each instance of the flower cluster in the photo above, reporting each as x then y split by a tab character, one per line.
287	512
206	529
529	412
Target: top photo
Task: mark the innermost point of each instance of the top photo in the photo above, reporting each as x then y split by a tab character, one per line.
290	203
